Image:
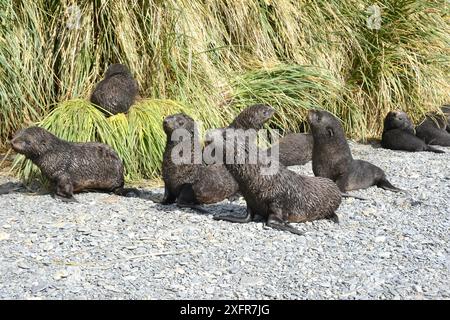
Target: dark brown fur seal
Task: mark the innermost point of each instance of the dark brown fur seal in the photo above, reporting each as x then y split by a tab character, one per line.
116	92
283	196
294	149
433	130
72	167
332	157
446	110
194	183
399	134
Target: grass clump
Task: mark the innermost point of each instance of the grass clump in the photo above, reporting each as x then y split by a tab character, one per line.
137	137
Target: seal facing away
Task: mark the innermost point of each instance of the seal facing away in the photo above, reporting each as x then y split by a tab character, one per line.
282	196
399	134
191	183
116	92
433	130
332	157
294	149
72	167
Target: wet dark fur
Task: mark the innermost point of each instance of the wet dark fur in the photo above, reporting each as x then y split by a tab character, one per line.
284	196
72	167
294	149
446	110
332	157
117	91
434	129
192	184
399	134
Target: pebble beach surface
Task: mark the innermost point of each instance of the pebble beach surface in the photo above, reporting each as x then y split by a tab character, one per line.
392	246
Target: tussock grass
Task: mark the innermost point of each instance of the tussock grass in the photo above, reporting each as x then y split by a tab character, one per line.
137	137
216	56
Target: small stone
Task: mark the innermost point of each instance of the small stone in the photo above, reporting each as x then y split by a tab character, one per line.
4	236
83	230
380	239
23	265
129	278
60	274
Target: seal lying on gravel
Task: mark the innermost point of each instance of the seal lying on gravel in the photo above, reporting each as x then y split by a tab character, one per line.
117	91
294	149
332	157
399	134
190	184
282	196
72	167
433	130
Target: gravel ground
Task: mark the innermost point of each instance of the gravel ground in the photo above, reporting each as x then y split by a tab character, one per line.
394	246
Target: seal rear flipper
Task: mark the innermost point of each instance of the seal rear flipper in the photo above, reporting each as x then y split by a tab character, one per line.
11	187
247	217
432	149
386	185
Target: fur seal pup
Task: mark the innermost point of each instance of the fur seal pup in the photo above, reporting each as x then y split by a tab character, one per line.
446	110
190	184
282	196
332	157
294	149
399	134
433	130
72	167
116	92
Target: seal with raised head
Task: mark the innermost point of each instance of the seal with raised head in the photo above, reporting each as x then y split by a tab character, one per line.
72	167
399	134
191	182
116	92
294	149
333	159
282	196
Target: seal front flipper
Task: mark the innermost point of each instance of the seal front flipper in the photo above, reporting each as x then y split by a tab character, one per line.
128	192
334	218
386	185
346	195
247	217
275	223
186	199
169	197
194	207
65	199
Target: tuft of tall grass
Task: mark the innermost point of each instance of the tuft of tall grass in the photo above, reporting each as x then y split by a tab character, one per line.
137	137
206	54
